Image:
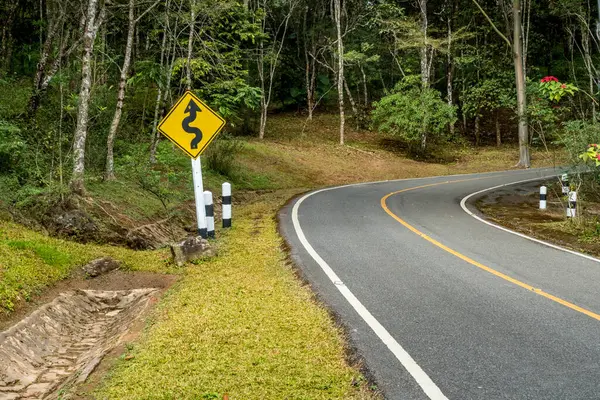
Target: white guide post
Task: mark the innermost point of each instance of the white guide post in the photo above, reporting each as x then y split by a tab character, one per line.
199	195
572	205
543	192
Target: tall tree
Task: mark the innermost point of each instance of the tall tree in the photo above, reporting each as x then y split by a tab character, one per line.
516	46
337	6
109	173
93	21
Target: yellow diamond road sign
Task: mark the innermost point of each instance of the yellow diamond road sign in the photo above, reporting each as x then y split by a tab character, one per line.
191	125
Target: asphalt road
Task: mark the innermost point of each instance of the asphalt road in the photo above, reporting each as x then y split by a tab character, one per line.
439	304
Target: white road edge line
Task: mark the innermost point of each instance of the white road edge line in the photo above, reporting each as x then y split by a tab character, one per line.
422	379
463	204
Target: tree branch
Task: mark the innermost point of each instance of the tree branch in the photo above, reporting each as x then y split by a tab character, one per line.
492	23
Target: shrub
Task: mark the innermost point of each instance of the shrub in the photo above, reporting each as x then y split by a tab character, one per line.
220	156
409	111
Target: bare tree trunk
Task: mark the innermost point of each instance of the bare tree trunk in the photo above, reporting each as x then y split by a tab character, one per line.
42	63
190	45
310	69
91	28
587	60
364	80
6	42
154	137
109	174
498	131
524	156
275	51
340	60
477	131
351	99
450	75
425	64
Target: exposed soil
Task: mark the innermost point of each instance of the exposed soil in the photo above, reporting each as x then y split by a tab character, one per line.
517	207
61	344
115	280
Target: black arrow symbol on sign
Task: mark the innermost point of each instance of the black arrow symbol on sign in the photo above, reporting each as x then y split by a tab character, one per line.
193	109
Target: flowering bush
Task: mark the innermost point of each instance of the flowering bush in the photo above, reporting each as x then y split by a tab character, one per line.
592	154
551	87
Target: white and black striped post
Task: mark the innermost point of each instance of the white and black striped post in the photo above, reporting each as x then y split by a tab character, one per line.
226	193
198	190
572	205
210	214
543	192
565	184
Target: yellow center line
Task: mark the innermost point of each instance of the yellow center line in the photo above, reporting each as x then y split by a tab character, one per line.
473	262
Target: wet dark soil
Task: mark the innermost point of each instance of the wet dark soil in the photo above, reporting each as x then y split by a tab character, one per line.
517	208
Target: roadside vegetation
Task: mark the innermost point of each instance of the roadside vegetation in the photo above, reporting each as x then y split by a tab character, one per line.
315	93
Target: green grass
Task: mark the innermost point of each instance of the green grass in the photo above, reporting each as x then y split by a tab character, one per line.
239	324
30	261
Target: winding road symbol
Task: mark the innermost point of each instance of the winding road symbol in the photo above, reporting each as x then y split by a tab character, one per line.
193	109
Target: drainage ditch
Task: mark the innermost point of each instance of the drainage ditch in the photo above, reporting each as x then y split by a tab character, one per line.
62	342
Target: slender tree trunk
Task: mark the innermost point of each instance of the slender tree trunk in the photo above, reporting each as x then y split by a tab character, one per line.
190	45
109	174
477	131
498	131
91	28
365	90
340	62
310	69
6	43
159	93
587	58
42	64
425	64
351	99
450	75
524	157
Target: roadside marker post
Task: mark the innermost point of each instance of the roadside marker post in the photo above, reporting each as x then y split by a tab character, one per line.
226	203
565	184
190	116
210	214
572	205
543	192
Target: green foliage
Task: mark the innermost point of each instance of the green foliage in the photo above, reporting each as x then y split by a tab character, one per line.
555	90
409	109
220	157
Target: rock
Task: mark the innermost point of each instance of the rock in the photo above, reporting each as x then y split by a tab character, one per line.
74	223
100	266
190	249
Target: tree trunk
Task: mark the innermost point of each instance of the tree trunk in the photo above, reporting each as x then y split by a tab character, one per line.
351	99
587	60
310	70
6	42
41	65
340	60
498	132
450	75
477	131
91	28
425	64
364	79
109	174
190	45
524	157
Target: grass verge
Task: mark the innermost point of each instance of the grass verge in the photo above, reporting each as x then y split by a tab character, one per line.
31	261
240	324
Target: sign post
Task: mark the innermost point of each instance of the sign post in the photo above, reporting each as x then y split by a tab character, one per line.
199	196
190	116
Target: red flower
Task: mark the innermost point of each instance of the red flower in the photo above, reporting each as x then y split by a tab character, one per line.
563	86
598	157
549	79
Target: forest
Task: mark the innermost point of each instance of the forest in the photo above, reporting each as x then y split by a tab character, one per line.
83	83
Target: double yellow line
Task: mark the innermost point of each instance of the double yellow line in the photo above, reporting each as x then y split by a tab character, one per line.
470	260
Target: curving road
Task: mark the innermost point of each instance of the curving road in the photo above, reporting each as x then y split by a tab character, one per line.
441	305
